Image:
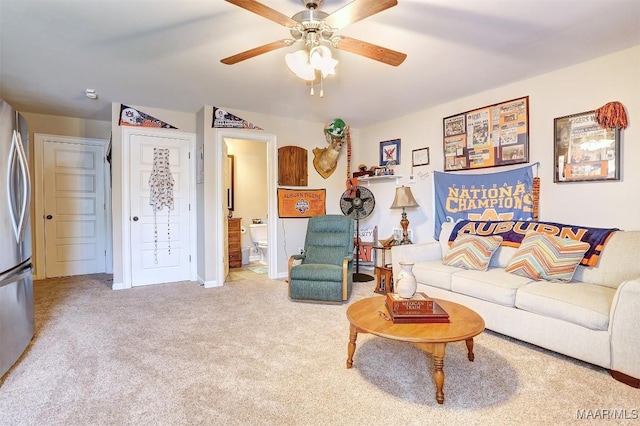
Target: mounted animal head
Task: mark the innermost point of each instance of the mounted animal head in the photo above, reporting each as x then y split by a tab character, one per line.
325	160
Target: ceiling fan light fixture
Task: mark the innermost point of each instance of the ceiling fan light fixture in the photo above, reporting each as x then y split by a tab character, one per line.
321	59
304	64
298	63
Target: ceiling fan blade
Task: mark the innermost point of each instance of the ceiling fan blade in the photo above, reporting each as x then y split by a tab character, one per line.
256	51
368	50
265	11
356	11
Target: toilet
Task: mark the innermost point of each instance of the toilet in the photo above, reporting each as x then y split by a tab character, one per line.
259	237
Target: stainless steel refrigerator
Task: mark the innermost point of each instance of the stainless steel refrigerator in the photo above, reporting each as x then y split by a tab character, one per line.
16	281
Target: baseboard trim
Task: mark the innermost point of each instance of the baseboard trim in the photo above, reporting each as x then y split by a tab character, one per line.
119	286
625	378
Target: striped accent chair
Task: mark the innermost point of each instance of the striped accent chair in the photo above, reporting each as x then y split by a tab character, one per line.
324	272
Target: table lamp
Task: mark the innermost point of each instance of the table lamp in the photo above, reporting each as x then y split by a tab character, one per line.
404	198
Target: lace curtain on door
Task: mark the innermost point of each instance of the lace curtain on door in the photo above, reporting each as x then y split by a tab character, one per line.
161	184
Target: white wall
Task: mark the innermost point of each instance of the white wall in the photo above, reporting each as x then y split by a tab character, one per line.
571	90
575	89
308	135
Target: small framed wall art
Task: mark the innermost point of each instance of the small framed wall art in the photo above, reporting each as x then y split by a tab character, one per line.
390	152
420	157
584	151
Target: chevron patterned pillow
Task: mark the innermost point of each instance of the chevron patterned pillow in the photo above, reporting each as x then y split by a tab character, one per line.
472	251
547	257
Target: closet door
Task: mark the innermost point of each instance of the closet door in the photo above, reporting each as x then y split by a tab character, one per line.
160	247
73	208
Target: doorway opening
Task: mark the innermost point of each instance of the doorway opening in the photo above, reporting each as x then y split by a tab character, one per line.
268	158
249	197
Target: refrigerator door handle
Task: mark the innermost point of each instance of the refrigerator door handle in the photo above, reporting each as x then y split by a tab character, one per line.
19	272
17	153
26	198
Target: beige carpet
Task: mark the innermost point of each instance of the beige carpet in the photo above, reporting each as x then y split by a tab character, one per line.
177	354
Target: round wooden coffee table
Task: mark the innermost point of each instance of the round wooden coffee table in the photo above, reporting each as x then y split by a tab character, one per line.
371	316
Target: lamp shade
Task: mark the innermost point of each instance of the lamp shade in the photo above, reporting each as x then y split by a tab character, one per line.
404	198
298	63
321	59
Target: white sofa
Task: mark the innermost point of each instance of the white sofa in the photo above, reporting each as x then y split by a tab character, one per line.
594	318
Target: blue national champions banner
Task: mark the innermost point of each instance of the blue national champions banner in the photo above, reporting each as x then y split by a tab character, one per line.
483	197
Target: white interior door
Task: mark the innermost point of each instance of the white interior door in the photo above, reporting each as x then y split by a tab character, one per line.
227	186
160	246
74	208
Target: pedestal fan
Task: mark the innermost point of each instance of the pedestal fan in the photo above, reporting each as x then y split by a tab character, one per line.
358	204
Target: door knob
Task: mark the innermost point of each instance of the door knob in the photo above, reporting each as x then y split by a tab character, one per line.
49	217
135	218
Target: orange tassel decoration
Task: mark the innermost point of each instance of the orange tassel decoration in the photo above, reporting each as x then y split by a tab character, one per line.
612	115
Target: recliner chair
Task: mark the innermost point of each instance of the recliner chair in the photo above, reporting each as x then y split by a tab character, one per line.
325	271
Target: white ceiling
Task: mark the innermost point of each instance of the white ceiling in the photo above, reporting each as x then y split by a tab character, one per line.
166	54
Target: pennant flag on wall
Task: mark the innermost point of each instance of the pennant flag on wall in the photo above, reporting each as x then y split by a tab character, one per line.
225	120
133	117
483	197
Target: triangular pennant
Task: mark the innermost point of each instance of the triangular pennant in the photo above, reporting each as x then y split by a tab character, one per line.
132	117
223	119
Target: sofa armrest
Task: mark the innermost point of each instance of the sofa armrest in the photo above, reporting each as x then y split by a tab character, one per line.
624	329
421	252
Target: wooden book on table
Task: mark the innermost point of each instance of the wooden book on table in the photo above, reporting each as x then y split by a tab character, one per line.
419	303
418	309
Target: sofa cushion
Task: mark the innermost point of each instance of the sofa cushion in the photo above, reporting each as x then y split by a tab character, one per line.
584	304
434	273
547	257
494	285
470	251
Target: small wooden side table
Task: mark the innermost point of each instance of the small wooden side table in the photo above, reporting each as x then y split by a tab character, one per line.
382	271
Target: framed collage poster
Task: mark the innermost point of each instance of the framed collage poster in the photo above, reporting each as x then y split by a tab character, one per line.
584	151
495	135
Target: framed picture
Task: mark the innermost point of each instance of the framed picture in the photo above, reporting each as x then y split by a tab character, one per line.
584	151
491	136
390	152
420	157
